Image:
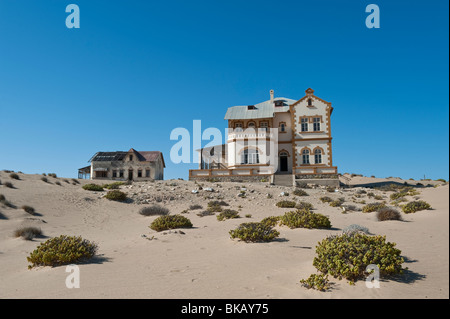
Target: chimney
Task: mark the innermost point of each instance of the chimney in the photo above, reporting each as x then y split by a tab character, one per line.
271	96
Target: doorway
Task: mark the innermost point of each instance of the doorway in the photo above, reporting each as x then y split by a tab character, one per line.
130	175
283	162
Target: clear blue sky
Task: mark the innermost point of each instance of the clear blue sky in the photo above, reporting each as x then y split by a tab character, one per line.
136	69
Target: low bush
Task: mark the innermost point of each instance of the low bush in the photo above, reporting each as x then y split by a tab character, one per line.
30	210
304	219
170	222
205	213
196	206
347	256
388	213
62	250
415	206
286	204
397	195
58	183
8	184
52	175
116	195
217	203
28	233
44	179
441	180
75	181
154	210
300	192
304	205
271	221
228	214
93	187
14	176
373	207
330	189
317	282
337	203
326	199
248	215
254	232
355	228
114	185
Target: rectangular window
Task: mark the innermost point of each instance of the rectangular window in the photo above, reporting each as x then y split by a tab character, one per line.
131	158
147	173
252	158
305	158
114	174
121	173
316	124
318	158
264	126
140	173
304	124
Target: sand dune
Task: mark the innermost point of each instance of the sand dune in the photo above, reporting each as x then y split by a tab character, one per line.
204	262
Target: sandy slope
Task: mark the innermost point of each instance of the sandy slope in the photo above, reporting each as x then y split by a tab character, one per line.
204	262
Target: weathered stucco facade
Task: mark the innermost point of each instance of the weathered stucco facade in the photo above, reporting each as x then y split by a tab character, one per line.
277	137
131	165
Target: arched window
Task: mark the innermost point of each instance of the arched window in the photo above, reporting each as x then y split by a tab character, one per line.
250	156
305	156
251	125
318	156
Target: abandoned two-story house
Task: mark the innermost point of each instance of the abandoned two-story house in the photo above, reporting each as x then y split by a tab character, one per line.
280	139
131	165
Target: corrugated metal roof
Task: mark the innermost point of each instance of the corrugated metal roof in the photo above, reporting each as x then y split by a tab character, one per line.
145	156
264	109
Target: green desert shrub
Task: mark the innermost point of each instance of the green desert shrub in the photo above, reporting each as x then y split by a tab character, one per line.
227	214
116	195
337	203
205	213
254	232
347	256
415	206
304	205
248	215
8	184
286	204
62	250
14	176
388	213
217	203
397	195
330	189
44	179
325	199
93	187
2	198
154	210
28	233
271	221
170	222
5	202
304	219
52	175
75	181
373	207
441	180
316	281
195	206
58	183
114	185
30	210
300	192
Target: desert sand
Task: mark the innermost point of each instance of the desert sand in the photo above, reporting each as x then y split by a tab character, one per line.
136	262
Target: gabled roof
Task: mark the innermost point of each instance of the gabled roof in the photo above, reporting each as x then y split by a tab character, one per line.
143	156
264	109
107	156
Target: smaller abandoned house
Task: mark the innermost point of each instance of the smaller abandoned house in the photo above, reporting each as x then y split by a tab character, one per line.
121	166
